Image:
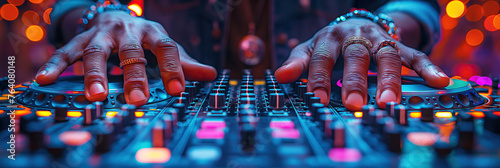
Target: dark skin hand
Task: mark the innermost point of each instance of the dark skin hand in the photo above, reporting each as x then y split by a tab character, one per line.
321	51
116	31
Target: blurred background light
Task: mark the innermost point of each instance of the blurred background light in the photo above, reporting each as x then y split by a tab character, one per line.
449	23
16	2
34	33
36	1
30	18
474	37
491	8
474	13
9	12
46	15
488	23
455	9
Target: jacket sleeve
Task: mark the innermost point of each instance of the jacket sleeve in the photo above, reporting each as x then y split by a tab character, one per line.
61	8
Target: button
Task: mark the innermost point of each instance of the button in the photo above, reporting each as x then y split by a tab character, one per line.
322	111
307	96
192	91
314	110
182	100
401	115
313	100
158	134
172	113
168	126
368	114
301	90
276	100
105	138
392	135
247	134
389	108
61	114
89	114
427	112
99	110
217	100
128	114
181	111
338	132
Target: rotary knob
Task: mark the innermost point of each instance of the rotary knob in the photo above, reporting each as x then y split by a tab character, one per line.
276	100
217	100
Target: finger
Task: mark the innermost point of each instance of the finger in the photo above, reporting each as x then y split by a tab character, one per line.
94	63
354	82
418	61
135	80
193	70
167	54
388	76
63	57
323	58
295	65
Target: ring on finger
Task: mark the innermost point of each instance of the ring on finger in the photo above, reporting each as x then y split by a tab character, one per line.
384	44
133	61
356	40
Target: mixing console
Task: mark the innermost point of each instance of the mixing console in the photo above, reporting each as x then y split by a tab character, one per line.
250	123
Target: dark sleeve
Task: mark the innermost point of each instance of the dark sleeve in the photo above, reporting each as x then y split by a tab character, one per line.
426	12
60	8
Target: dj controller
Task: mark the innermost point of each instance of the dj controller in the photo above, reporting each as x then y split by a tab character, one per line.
249	122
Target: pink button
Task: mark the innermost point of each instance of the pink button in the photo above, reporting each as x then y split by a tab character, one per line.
213	124
210	134
344	155
283	124
286	133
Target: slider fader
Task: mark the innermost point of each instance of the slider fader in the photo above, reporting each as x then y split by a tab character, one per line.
249	122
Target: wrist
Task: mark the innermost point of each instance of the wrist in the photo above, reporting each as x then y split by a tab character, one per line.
97	9
409	28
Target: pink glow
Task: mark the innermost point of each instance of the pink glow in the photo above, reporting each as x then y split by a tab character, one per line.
213	124
210	134
344	155
484	81
283	124
286	133
474	78
339	83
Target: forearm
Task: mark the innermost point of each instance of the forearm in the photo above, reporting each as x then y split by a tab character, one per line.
409	29
64	19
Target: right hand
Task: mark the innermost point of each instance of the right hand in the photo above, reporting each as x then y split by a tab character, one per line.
116	31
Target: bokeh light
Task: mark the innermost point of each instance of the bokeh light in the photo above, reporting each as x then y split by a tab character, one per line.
34	33
9	12
448	23
136	8
46	15
491	8
474	13
488	23
36	1
30	18
496	21
455	9
16	2
474	37
466	70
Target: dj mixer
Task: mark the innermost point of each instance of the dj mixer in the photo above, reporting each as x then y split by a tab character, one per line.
250	122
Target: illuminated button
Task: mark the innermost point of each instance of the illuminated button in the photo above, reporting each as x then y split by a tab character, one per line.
210	134
281	124
111	113
204	153
158	134
43	113
476	114
307	96
417	115
286	133
139	114
61	114
74	114
213	124
427	113
344	155
443	114
358	114
422	138
75	138
153	155
276	100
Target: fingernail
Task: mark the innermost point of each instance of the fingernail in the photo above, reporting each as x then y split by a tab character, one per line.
441	74
174	86
96	88
354	99
321	93
44	72
388	96
136	95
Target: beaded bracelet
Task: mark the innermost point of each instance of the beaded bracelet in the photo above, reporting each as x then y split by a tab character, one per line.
381	19
100	7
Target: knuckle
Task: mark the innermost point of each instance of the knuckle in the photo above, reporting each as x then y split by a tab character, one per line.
357	51
418	56
94	73
320	78
166	43
355	80
322	55
169	66
93	50
131	48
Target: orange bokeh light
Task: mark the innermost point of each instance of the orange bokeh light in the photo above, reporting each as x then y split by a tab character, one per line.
477	114
448	23
9	12
358	114
474	13
474	37
111	114
488	23
43	113
16	2
74	114
30	18
75	138
496	21
139	114
136	8
36	1
34	33
455	9
443	114
46	15
153	155
415	114
491	8
466	70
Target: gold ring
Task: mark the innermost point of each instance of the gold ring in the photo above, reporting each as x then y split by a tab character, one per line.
356	40
386	43
133	61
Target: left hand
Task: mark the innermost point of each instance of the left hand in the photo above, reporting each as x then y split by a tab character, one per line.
321	51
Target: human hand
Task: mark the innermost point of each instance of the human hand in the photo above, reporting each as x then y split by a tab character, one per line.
116	31
321	51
